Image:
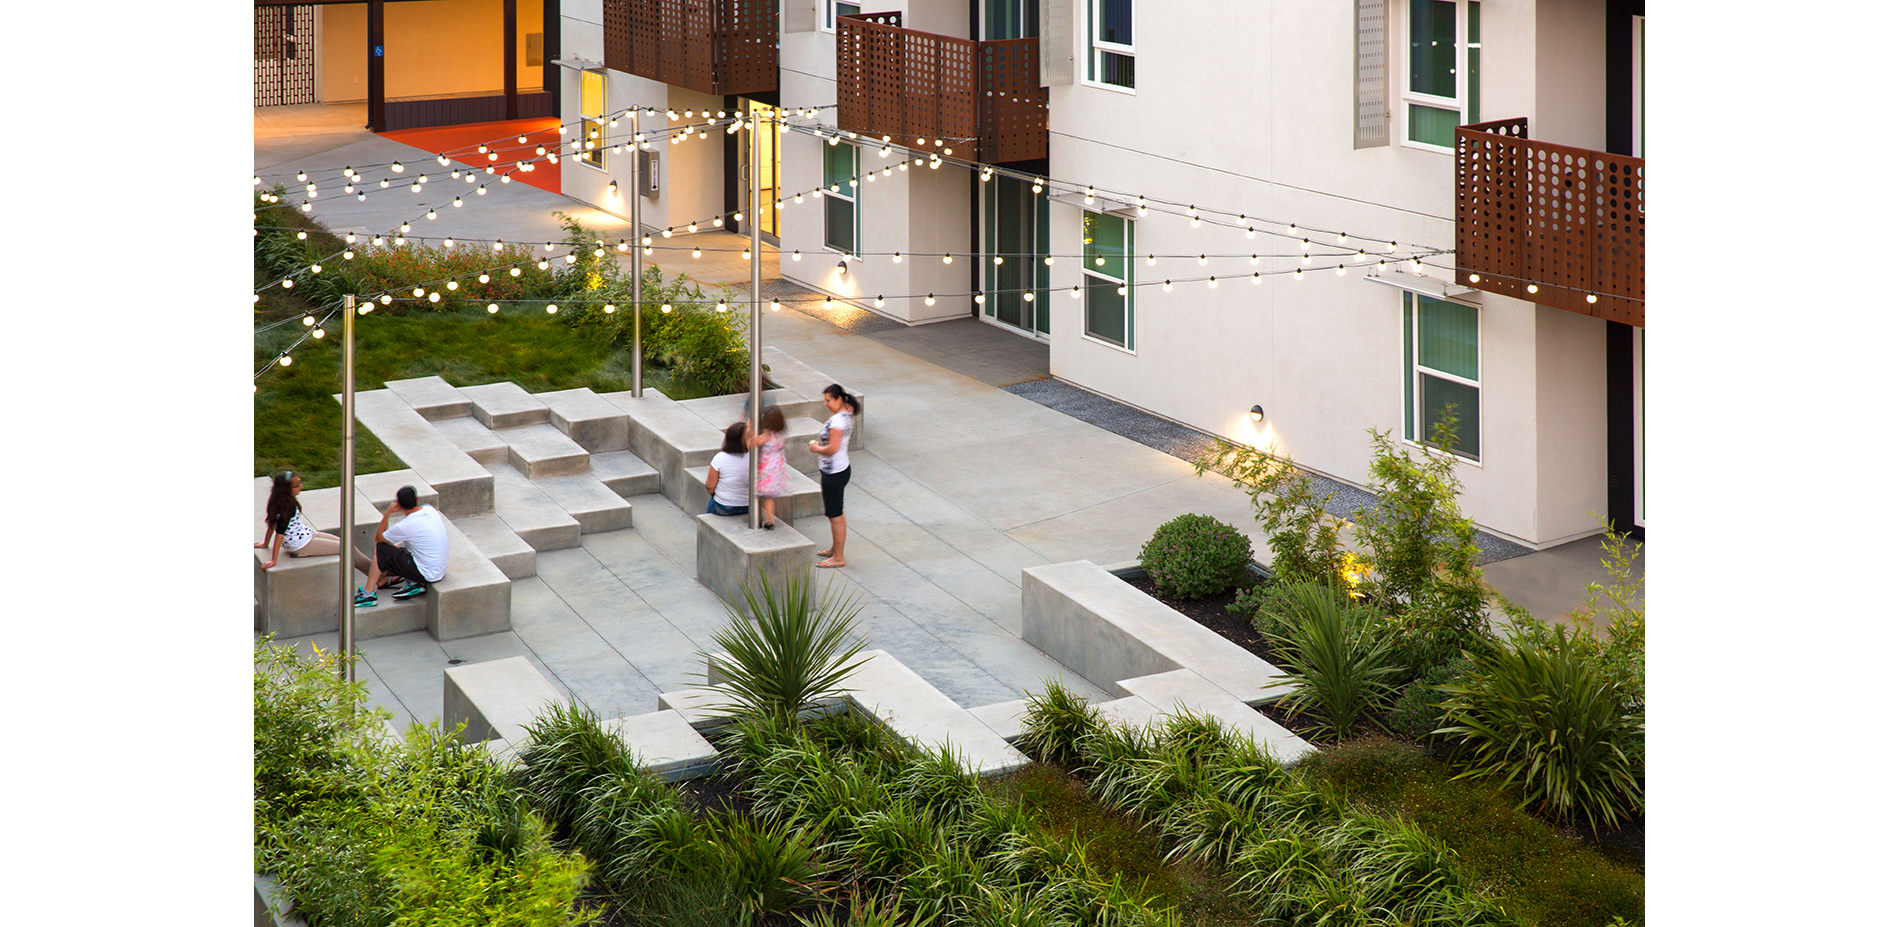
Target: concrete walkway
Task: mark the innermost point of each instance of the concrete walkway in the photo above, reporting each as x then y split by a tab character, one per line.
959	487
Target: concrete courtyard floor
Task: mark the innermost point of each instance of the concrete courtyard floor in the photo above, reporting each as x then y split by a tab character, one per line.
958	487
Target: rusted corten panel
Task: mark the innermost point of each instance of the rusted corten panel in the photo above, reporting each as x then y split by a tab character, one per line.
712	46
981	99
1014	105
1567	220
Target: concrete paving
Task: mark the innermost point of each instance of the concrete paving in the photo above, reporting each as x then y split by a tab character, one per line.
959	487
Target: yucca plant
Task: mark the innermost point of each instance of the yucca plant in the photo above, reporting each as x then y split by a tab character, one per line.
1339	667
567	751
1055	723
784	654
1544	717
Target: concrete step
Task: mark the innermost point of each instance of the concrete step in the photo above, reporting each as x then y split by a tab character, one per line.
504	405
592	422
669	437
530	514
474	596
802	499
500	544
432	397
624	473
801	379
588	501
465	488
542	450
391	616
474	438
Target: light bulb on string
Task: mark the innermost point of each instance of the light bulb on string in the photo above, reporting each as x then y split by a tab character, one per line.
1075	292
1167	286
1203	260
1253	259
1100	261
387	299
946	257
1121	290
309	321
492	308
317	334
666	308
435	297
930	299
1029	296
571	258
1256	278
552	309
1297	273
431	215
316	268
608	308
796	256
284	361
720	306
452	286
1212	283
1530	288
695	253
514	271
482	279
998	260
302	235
395	167
980	299
288	283
1340	271
879	301
541	264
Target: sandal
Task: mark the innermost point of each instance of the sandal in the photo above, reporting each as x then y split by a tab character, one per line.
824	555
830	564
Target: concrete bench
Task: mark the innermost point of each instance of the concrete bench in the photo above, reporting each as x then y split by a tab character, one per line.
1106	630
624	473
475	439
464	486
665	743
730	556
1185	690
587	419
530	514
667	436
884	689
301	595
474	596
591	503
802	499
504	405
496	699
542	450
504	548
432	397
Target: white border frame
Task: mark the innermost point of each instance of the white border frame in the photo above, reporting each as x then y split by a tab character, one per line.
1461	41
1128	267
1413	367
580	99
828	15
1092	46
857	210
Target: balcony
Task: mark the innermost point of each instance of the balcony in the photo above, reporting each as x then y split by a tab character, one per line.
910	84
712	46
1565	221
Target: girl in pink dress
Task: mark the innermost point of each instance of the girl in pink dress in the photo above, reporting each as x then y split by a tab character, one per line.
771	444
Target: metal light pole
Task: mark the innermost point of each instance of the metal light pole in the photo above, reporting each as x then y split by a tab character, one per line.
752	200
634	191
346	558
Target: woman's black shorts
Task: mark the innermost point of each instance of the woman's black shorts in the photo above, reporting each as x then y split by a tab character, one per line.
831	486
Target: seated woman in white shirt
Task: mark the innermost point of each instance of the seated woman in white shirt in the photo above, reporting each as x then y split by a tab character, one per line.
726	477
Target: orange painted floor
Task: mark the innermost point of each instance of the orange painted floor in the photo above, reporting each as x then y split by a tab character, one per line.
505	147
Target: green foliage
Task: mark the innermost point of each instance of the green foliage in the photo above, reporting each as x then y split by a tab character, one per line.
565	753
1192	556
710	902
1545	716
365	832
1417	713
1304	539
705	352
1608	628
1054	724
1339	662
1423	548
1529	869
774	866
784	654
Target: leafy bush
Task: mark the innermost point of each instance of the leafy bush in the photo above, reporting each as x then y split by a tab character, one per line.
1339	663
566	752
1054	724
1421	546
1304	539
428	831
785	654
1193	556
1416	713
775	867
1544	716
705	351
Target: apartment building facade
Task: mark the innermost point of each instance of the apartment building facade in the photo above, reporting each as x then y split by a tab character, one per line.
1076	170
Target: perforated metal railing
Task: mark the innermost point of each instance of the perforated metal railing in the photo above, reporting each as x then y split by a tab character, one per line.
911	84
712	46
1567	220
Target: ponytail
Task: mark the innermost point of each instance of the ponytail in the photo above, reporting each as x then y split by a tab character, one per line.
837	392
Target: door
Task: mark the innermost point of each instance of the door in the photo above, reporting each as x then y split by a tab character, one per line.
1010	19
284	55
1016	231
767	185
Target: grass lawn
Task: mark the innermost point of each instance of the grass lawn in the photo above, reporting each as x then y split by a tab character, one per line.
298	424
1539	874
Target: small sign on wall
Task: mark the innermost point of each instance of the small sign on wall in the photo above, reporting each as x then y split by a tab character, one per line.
534	50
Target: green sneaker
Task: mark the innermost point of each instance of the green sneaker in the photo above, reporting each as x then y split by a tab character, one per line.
410	591
365	598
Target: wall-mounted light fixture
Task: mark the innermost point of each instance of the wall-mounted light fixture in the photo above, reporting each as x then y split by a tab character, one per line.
1257	414
841	267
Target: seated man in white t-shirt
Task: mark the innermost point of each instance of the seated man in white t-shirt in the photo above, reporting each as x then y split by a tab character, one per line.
416	549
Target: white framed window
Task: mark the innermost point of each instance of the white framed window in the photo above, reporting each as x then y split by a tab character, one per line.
835	9
1441	371
1112	43
1108	303
841	197
1440	91
594	118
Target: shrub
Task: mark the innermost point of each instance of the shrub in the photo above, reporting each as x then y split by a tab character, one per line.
1054	724
1339	663
1421	546
566	752
1416	713
774	866
1194	556
1544	716
784	654
1302	536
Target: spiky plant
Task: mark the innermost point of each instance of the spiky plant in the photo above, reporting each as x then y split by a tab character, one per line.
1055	723
785	654
1340	669
567	751
775	867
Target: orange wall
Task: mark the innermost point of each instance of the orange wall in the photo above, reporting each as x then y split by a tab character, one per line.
431	48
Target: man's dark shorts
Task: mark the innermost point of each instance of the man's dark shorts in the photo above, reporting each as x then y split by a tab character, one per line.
397	561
